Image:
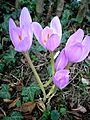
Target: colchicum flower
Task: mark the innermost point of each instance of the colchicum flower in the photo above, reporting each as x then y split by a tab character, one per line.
76	50
21	37
49	37
61	78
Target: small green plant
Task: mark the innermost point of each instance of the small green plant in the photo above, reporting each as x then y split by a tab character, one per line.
29	93
4	92
55	115
14	116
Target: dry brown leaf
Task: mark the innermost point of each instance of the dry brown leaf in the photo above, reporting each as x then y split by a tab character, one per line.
1	115
26	107
80	108
41	106
28	116
77	118
75	114
13	103
7	100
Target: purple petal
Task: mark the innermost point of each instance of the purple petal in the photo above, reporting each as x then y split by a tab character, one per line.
61	61
86	48
56	26
46	33
24	45
74	52
25	18
37	29
53	42
61	78
13	32
75	38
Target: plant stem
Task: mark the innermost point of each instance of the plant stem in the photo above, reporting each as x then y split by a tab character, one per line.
51	91
26	54
48	82
52	62
53	71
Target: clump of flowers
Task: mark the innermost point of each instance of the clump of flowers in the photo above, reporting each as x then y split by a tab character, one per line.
76	49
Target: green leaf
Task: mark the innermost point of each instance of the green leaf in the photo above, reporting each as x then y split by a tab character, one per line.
29	93
1	47
14	116
18	103
4	92
46	114
65	36
34	58
9	56
54	115
63	111
65	17
36	47
1	67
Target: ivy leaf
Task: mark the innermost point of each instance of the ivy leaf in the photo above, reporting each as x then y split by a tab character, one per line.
9	56
65	36
29	93
46	114
63	111
14	116
55	115
65	17
4	92
1	47
36	47
1	67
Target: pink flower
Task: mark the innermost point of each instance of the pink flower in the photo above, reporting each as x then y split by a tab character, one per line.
49	37
61	78
21	37
76	50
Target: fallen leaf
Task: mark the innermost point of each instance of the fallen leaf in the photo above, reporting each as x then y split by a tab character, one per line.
41	106
80	108
7	100
75	114
13	103
26	107
1	115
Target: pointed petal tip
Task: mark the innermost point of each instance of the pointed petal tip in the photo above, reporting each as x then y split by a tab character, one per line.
11	21
80	30
55	18
56	26
12	24
25	18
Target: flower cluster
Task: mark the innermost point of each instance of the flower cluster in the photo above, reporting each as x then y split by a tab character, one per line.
76	49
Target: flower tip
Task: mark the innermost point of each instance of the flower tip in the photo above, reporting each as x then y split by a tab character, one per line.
11	23
10	20
56	17
24	8
80	30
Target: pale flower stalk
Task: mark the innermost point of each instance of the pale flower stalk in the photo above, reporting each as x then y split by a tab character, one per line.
21	38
